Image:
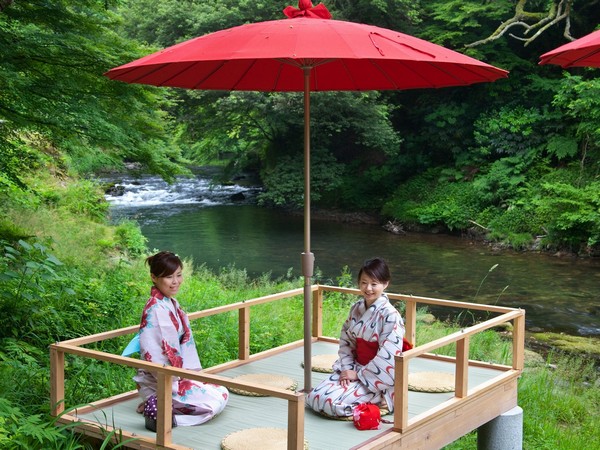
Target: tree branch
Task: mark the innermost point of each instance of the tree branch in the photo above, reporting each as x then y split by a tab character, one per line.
558	11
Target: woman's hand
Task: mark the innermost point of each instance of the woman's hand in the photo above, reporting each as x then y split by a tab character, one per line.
347	377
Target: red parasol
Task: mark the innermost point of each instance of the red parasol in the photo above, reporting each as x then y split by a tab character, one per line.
306	52
582	52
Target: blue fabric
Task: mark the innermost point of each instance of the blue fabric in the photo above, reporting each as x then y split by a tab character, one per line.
133	346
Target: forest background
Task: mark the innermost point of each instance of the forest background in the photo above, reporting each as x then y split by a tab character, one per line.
517	160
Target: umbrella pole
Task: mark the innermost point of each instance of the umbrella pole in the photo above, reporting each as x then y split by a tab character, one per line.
308	259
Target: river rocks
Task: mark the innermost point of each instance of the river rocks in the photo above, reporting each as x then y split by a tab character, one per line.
115	190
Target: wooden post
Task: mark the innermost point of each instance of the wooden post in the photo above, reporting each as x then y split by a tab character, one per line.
461	377
410	323
317	326
57	381
519	342
164	421
401	394
295	438
244	333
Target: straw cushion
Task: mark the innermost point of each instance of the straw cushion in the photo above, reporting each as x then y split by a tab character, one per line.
257	438
322	363
431	381
271	380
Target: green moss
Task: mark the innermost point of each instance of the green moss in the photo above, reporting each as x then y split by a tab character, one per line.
571	344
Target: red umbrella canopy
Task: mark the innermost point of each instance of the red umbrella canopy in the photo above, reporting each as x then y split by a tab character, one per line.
343	56
583	52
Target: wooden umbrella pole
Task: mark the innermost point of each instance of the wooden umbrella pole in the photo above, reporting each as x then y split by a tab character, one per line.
308	259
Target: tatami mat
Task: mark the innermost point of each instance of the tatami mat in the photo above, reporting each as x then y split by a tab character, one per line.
251	412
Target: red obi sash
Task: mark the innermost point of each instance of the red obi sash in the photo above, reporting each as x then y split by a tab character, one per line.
365	351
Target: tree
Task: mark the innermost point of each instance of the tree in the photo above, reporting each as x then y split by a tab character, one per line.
51	85
532	23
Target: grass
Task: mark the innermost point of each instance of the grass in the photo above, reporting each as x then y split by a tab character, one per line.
561	406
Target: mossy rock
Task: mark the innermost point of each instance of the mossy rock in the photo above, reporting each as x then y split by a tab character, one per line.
426	318
578	345
533	359
504	327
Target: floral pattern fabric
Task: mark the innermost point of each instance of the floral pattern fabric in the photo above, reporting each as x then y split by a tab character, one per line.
380	323
166	338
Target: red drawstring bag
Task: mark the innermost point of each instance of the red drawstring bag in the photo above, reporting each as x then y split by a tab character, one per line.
366	416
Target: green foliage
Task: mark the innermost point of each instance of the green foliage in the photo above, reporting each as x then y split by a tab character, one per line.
502	180
561	398
579	100
454	23
510	130
130	239
31	277
50	83
16	159
572	214
24	375
515	225
563	147
19	430
11	232
432	201
84	197
285	183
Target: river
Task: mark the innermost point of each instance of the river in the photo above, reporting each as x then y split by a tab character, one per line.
221	226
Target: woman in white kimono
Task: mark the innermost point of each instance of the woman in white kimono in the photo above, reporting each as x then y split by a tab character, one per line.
166	338
370	338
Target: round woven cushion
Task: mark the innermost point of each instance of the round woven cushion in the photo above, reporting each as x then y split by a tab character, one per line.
257	438
276	381
322	363
431	381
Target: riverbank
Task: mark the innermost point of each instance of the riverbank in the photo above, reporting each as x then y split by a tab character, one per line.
476	233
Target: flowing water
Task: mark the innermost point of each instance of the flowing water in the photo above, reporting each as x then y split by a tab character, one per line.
221	226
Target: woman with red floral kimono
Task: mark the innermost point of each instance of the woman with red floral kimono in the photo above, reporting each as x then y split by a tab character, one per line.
166	338
370	338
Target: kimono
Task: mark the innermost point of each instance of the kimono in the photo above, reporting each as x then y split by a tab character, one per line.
369	340
166	338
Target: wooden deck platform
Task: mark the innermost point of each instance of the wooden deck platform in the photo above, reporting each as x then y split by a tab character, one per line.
421	420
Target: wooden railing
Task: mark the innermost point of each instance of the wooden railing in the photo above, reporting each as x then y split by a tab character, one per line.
295	400
460	338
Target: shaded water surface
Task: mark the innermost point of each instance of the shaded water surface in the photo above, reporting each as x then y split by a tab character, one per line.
214	227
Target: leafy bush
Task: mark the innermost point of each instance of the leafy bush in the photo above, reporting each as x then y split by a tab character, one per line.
19	430
410	195
433	202
572	214
84	197
284	185
130	238
509	131
32	283
502	179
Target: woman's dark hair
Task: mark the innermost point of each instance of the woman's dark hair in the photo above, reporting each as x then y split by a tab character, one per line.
163	264
377	269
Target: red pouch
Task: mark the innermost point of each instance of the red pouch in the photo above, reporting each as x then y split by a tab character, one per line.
366	416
